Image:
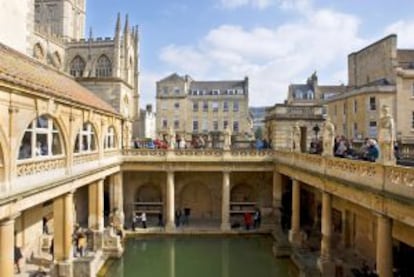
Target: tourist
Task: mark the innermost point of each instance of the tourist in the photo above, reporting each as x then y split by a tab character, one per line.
134	221
144	220
373	151
17	257
82	244
257	218
177	217
186	216
160	223
247	220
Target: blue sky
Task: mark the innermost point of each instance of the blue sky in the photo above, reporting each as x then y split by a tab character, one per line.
274	42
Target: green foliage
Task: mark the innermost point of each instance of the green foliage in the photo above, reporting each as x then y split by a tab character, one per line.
258	134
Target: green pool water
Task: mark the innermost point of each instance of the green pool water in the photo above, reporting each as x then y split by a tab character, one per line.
198	257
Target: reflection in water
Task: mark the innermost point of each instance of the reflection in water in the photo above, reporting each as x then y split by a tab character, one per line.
203	256
225	258
171	253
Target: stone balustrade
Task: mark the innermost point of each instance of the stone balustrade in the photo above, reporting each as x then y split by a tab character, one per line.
397	180
25	168
198	155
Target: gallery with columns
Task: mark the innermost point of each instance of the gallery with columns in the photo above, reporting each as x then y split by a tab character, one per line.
66	163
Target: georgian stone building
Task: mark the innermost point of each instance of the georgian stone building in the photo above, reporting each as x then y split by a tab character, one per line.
379	74
305	105
202	107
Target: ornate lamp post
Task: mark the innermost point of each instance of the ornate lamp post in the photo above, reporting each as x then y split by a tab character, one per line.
316	129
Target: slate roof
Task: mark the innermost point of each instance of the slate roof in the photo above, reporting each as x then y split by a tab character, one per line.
221	85
19	69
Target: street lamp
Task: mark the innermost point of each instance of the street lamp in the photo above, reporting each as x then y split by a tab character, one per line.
316	129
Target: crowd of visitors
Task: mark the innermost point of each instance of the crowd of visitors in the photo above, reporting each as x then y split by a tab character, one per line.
344	148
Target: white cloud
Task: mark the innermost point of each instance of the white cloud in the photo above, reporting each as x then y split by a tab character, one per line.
272	57
298	5
404	30
260	4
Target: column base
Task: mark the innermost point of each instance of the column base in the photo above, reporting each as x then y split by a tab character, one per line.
295	238
225	227
326	266
62	269
97	240
170	227
112	244
281	247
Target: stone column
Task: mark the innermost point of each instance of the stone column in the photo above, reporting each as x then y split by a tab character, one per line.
225	202
294	232
325	263
384	246
96	216
117	195
96	207
63	230
281	246
170	197
7	247
277	196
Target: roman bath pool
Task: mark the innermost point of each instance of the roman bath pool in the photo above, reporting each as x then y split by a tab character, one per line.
198	256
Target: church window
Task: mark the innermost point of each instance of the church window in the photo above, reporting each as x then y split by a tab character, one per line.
56	61
38	52
85	139
77	67
109	142
103	67
41	138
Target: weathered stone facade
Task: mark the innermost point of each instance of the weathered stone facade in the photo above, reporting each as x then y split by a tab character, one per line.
201	107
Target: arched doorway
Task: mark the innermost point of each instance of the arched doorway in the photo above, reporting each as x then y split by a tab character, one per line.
148	199
197	198
242	193
148	193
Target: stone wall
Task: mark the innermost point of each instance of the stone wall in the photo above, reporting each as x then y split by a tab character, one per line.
374	62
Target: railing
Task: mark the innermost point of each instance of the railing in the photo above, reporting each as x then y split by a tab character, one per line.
38	166
210	154
85	158
397	180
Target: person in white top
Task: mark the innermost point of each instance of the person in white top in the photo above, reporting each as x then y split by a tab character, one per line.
144	220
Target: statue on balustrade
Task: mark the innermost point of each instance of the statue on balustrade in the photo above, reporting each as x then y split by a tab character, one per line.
227	138
386	136
328	137
171	136
296	137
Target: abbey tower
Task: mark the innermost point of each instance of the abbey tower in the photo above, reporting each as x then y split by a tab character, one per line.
107	66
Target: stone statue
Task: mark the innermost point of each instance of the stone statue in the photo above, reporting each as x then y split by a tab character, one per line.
171	136
117	219
296	137
328	137
227	138
386	136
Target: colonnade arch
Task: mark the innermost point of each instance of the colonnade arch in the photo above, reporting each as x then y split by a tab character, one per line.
148	193
197	197
243	193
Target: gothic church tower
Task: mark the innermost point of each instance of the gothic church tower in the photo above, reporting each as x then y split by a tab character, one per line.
107	66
